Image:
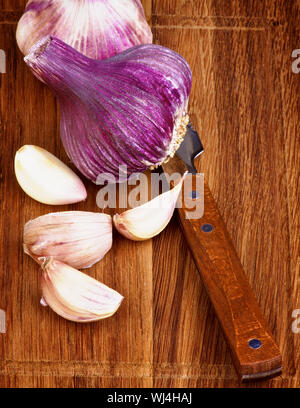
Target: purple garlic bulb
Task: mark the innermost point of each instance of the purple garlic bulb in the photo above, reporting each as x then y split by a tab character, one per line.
98	29
129	110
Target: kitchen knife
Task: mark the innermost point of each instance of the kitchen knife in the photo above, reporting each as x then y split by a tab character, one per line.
254	351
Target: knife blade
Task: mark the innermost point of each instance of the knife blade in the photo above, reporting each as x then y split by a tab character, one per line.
254	351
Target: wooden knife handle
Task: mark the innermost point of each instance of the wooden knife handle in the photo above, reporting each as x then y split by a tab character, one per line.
254	351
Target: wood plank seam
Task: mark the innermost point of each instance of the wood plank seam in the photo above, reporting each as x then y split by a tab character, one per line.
9	17
173	27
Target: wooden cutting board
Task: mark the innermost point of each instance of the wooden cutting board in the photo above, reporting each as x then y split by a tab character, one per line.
245	105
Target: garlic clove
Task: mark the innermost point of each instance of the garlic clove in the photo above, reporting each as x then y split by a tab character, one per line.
98	29
77	238
47	179
76	296
150	219
130	110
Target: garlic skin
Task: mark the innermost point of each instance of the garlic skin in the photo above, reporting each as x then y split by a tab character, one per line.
77	238
47	179
76	296
150	219
98	29
129	110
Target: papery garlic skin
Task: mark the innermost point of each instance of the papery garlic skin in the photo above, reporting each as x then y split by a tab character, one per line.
77	238
150	219
98	29
129	110
47	179
76	296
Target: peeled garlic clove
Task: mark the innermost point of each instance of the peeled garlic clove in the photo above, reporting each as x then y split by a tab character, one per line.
98	29
129	110
150	219
76	296
77	238
47	179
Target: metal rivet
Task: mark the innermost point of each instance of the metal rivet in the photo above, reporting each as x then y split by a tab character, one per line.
194	195
207	227
254	343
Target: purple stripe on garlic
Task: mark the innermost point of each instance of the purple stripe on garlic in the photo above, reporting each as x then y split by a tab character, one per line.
129	110
97	28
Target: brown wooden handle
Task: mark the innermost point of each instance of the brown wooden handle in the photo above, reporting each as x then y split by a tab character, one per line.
255	353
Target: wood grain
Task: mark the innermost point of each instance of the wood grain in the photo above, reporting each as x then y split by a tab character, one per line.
245	106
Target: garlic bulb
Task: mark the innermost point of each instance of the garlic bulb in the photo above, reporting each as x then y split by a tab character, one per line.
75	295
47	179
77	238
129	110
150	219
98	29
